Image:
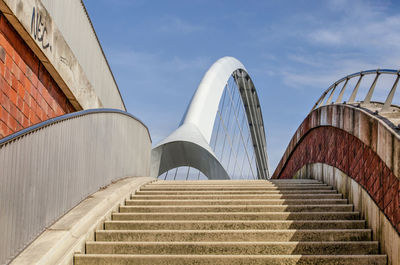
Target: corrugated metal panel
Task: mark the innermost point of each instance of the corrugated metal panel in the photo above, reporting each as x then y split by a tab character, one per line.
72	20
47	170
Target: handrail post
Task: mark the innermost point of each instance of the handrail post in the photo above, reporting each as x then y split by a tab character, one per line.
321	100
339	99
389	99
355	90
331	95
368	97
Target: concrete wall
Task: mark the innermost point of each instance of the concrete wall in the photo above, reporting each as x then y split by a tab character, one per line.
28	94
74	23
61	35
382	229
362	145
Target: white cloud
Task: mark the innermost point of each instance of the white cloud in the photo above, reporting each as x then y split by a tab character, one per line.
329	37
364	37
178	25
365	25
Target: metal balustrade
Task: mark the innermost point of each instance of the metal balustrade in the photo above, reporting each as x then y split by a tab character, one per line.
327	96
48	168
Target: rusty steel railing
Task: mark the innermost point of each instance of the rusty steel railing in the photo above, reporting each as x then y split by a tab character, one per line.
327	96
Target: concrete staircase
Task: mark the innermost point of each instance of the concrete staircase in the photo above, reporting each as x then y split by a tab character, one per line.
234	222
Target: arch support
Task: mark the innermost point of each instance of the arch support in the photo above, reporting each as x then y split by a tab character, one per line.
189	145
186	147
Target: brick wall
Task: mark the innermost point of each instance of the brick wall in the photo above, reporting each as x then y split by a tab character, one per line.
337	148
28	94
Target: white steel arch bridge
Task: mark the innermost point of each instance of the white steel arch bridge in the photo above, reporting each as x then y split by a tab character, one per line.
221	135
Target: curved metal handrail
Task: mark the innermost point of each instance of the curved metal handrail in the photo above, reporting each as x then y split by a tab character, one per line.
49	122
322	101
48	168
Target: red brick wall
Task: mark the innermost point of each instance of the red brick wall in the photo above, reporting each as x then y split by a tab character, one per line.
337	148
28	94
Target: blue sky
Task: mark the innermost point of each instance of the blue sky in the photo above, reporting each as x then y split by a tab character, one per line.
293	50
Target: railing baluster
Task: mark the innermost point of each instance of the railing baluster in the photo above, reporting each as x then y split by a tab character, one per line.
319	101
368	97
389	99
327	102
355	90
340	97
322	101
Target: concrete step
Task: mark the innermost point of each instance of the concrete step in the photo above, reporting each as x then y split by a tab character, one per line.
205	192
293	180
236	208
238	196
234	222
234	248
234	182
234	188
236	185
233	225
239	216
236	202
234	235
103	259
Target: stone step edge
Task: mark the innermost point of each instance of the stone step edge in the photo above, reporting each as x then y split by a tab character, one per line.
237	206
255	196
294	187
237	200
184	243
232	259
311	185
230	256
243	213
236	231
229	221
249	192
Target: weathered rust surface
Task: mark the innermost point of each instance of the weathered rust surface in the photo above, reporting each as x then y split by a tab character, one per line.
356	142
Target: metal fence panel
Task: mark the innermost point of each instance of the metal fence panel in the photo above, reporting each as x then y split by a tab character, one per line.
47	170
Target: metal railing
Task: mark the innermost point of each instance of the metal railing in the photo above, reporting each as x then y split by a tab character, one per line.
324	100
47	169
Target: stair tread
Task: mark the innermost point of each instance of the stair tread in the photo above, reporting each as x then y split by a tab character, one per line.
232	243
230	259
205	255
239	231
235	222
236	191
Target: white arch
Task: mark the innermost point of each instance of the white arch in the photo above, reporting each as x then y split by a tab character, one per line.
196	127
204	104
